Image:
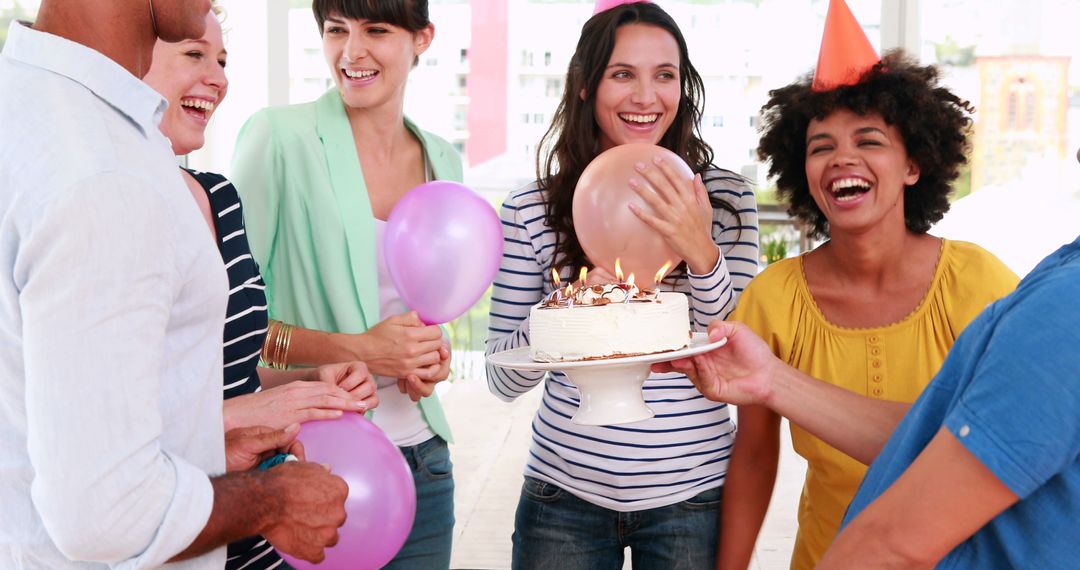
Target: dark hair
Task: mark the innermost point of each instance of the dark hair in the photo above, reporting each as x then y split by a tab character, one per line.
573	139
933	122
411	15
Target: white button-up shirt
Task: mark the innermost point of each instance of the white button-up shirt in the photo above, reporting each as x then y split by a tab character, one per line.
112	306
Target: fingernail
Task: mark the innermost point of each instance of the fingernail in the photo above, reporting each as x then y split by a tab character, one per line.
657	159
361	405
639	165
291	428
633	207
633	183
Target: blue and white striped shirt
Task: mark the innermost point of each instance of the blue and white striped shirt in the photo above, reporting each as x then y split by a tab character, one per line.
679	453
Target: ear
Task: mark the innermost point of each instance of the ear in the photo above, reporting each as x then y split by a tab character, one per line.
582	96
422	39
912	175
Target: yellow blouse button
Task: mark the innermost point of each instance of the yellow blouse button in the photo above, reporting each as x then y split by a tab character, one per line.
877	377
875	351
876	363
873	339
878	391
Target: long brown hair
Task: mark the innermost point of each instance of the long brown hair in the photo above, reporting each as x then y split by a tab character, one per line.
573	139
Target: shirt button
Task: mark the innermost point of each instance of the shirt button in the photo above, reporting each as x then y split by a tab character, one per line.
875	363
878	391
873	339
877	377
875	351
965	430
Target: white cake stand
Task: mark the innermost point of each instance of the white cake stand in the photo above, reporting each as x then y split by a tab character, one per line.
610	388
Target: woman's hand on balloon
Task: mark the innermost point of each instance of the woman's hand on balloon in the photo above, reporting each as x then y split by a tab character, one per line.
352	377
418	386
295	402
399	346
681	212
599	276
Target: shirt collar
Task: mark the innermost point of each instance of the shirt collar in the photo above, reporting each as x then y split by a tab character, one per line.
101	75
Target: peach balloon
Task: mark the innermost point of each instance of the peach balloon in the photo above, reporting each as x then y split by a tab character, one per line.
606	227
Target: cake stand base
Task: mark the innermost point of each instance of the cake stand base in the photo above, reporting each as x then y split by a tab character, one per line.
611	394
610	388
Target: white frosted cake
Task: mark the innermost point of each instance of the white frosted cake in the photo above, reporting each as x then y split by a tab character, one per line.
608	321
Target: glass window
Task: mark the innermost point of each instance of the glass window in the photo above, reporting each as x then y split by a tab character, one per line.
15	10
1018	63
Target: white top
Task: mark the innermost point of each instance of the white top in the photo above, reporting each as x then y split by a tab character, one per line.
112	306
397	415
679	453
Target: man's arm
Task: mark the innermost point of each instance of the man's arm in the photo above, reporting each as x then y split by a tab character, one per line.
298	507
944	497
745	371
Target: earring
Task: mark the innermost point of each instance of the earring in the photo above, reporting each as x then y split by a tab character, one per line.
153	20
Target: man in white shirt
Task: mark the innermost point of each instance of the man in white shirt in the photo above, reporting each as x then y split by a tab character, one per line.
112	304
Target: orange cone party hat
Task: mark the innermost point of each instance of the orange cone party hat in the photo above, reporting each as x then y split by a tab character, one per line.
603	5
845	52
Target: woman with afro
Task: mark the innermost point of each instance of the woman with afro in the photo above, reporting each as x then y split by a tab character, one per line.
868	167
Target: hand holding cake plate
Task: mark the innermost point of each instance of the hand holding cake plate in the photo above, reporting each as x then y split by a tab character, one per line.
610	387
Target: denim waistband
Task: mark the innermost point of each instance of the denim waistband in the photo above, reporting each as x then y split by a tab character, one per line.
415	454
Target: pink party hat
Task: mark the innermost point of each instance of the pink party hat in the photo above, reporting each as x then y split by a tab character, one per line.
603	5
845	52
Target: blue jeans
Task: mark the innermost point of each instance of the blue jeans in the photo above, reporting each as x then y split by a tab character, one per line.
428	545
555	530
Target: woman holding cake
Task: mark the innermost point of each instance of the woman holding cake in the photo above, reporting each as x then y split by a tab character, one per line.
318	181
654	485
191	76
866	161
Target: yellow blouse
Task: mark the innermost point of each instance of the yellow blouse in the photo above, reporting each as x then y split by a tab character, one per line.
893	362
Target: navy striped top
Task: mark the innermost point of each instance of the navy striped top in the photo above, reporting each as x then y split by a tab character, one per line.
245	330
679	453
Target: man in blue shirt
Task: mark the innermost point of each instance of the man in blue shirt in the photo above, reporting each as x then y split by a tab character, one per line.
983	470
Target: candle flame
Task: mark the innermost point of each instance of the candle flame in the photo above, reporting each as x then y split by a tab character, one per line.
555	278
583	275
569	290
630	280
663	271
618	270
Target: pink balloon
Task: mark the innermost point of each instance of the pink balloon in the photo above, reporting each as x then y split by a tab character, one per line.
606	227
381	503
443	245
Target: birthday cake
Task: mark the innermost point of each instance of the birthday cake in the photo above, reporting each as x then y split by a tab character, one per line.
607	321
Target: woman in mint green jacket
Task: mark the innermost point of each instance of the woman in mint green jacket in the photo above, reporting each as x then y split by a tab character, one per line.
318	181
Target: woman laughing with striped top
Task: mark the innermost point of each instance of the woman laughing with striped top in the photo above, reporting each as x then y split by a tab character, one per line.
655	485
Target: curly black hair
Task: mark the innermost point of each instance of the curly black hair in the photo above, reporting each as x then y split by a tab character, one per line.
933	122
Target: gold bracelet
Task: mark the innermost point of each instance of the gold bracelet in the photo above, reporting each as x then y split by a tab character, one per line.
275	361
272	327
283	361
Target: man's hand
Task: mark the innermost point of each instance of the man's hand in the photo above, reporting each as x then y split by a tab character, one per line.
740	372
246	447
422	385
310	509
352	377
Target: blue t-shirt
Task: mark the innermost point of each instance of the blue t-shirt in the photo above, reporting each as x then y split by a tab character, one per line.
1009	391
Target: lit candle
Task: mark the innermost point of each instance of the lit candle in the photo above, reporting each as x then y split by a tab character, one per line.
583	276
618	271
569	295
629	288
663	272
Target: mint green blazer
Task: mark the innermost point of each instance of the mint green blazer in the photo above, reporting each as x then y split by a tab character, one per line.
309	219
